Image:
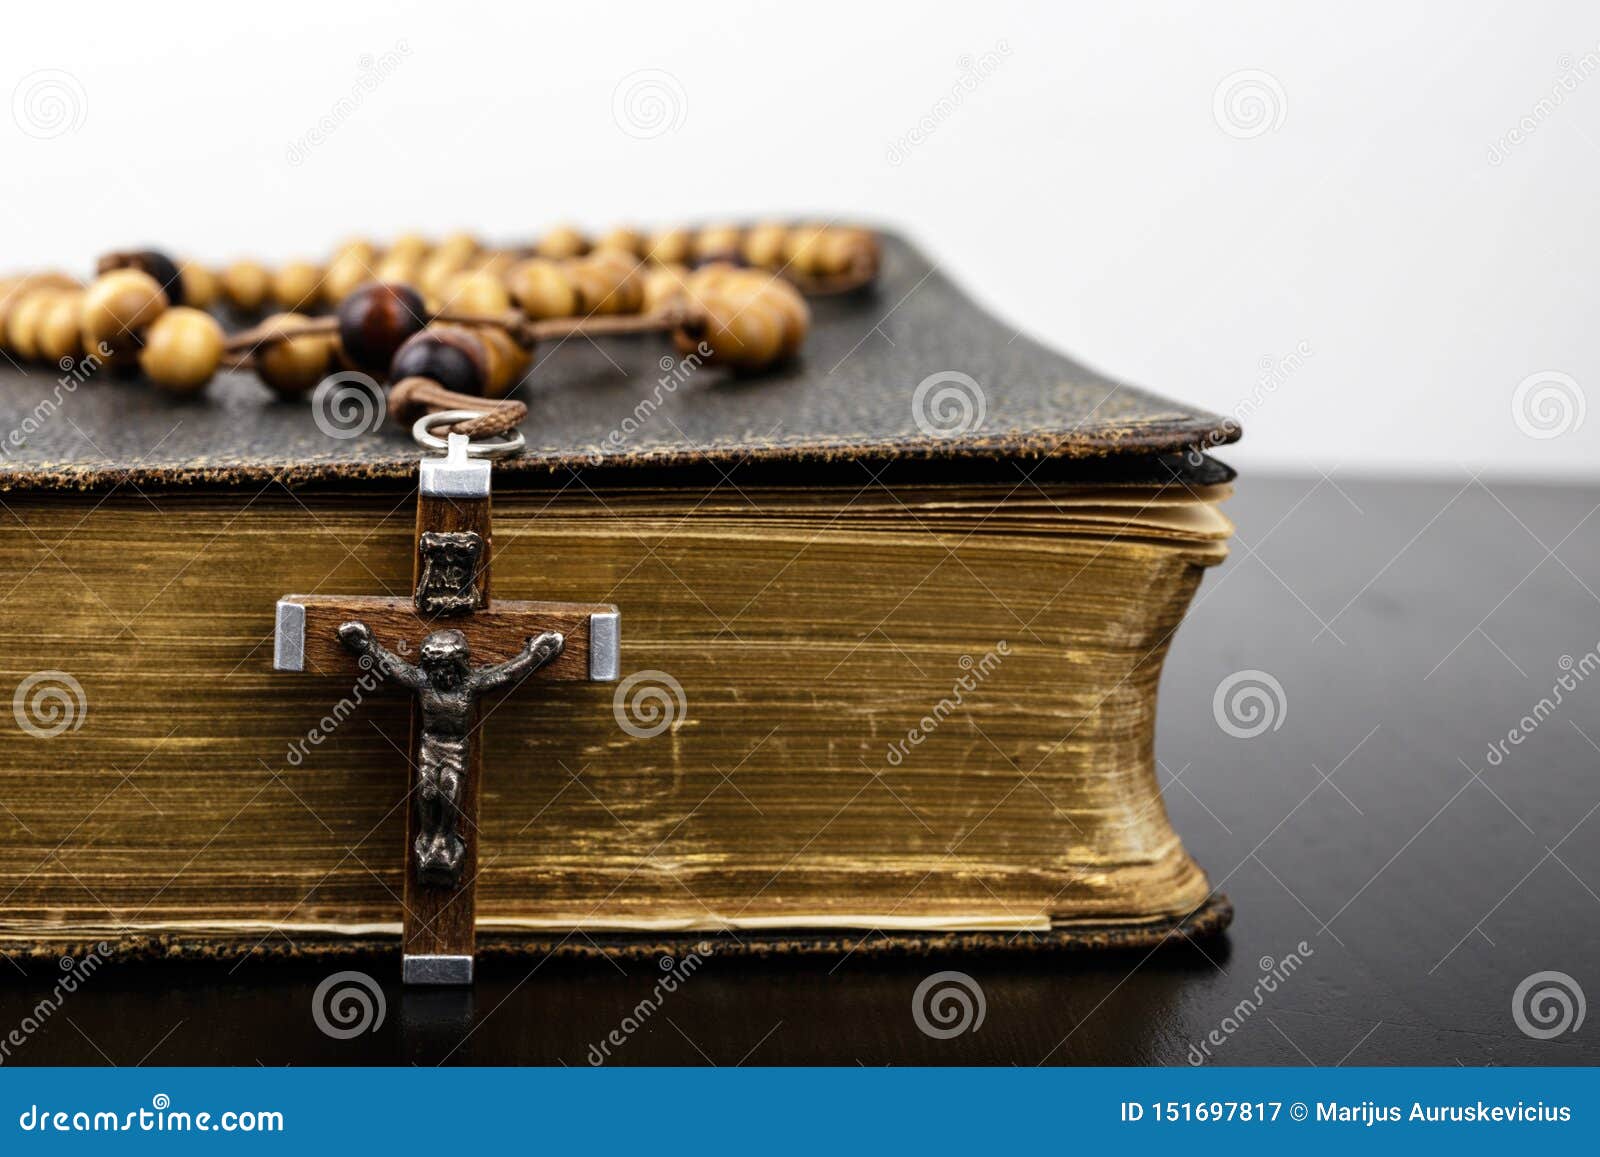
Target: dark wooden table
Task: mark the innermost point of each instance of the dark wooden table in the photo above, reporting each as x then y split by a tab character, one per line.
1410	626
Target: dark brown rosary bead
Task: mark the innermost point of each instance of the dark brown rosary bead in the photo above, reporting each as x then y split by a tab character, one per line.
376	320
451	355
152	261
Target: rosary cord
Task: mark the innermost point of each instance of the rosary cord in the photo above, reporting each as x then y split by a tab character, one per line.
410	398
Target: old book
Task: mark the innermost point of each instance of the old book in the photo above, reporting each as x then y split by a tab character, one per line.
892	624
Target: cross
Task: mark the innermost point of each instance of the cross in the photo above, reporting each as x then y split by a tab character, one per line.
449	646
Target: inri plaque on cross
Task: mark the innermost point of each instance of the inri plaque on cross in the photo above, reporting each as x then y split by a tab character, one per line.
448	645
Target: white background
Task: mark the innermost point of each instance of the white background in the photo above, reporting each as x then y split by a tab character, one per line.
1088	189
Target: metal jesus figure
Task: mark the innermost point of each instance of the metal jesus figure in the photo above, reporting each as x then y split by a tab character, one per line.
446	685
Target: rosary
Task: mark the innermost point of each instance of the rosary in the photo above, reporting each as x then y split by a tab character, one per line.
450	326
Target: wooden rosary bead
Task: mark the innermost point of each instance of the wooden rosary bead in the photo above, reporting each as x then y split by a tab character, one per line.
629	241
724	295
17	290
375	321
402	261
24	320
245	285
669	247
449	257
199	285
460	245
297	285
292	366
358	247
452	355
606	283
593	286
157	264
663	286
791	303
413	246
561	243
59	332
400	266
118	306
764	246
743	335
802	250
182	349
345	273
718	243
542	289
482	294
508	361
435	274
494	263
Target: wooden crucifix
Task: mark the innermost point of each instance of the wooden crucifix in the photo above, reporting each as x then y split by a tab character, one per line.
449	646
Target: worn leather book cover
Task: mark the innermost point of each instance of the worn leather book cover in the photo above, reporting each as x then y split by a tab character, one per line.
893	620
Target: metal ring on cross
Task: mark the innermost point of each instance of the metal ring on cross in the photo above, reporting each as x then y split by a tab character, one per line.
512	442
